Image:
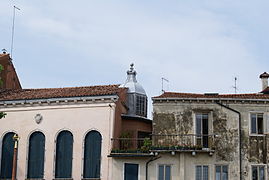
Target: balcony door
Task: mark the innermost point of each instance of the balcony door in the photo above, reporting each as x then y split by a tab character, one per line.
202	130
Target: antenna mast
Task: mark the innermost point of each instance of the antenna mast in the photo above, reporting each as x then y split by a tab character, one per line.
13	27
235	85
163	79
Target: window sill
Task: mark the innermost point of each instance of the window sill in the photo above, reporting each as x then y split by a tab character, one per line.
257	135
63	179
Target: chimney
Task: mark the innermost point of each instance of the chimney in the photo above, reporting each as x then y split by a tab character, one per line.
264	77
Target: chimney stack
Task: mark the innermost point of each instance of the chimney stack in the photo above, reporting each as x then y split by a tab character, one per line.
264	77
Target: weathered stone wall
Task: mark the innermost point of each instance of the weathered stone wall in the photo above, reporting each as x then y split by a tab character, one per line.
179	118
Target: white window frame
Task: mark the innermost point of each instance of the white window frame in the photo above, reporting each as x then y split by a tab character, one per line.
203	165
263	123
259	165
221	170
195	125
158	165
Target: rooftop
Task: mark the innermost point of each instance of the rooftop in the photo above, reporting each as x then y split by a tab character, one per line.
26	94
169	95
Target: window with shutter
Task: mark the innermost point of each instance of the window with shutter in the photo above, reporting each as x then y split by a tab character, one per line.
36	155
92	155
64	152
7	156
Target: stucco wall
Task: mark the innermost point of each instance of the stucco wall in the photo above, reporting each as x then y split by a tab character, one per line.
77	118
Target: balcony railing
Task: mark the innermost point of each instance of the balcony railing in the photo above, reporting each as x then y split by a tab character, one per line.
179	142
131	145
183	142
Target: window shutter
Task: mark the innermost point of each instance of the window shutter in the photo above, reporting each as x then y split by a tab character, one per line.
36	153
7	156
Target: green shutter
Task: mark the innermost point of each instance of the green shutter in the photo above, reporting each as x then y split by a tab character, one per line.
7	156
36	155
64	151
92	155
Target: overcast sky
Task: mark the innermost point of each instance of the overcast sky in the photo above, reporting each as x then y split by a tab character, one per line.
199	46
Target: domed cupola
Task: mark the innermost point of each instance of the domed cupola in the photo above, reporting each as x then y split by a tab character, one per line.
137	98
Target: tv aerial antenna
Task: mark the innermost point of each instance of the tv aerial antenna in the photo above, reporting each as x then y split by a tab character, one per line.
235	85
164	80
13	28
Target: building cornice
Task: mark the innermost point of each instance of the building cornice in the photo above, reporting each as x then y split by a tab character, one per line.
59	101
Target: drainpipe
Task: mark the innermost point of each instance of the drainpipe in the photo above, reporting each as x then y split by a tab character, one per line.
240	135
150	160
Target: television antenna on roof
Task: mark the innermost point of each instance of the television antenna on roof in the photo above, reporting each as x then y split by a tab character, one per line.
13	27
235	85
166	80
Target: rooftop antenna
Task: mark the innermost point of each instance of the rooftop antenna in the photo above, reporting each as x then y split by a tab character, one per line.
13	27
235	85
166	80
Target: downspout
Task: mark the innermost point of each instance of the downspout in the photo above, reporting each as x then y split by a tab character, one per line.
240	135
147	163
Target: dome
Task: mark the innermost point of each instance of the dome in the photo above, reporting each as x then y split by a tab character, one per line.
131	82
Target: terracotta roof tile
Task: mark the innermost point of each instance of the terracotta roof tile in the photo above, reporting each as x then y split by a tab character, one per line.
26	94
212	96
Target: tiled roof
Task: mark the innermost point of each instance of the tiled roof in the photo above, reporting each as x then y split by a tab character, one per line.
27	94
213	96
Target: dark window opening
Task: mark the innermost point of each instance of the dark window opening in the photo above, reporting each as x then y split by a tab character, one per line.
258	173
141	105
64	151
256	123
202	130
36	155
92	155
130	171
7	156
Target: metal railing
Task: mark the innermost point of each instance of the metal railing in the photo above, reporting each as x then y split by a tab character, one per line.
159	142
182	142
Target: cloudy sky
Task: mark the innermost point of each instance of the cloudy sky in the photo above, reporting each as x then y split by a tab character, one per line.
199	46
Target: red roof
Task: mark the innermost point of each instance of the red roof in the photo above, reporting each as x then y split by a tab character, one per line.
26	94
212	96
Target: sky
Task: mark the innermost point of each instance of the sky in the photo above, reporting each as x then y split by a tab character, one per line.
200	46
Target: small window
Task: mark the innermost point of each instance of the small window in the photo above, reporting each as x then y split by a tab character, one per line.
201	172
256	123
141	105
258	173
164	172
221	172
130	171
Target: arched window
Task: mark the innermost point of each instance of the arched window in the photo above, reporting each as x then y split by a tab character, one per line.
7	156
36	155
92	155
64	151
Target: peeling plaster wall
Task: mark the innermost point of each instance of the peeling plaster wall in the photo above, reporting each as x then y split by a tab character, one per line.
179	118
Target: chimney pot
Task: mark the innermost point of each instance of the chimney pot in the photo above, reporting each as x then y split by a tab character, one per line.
264	77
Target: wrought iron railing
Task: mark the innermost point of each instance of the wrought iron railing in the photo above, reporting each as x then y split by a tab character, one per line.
158	142
181	142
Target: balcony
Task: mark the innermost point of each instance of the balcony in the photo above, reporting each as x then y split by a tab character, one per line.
183	143
139	147
162	143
